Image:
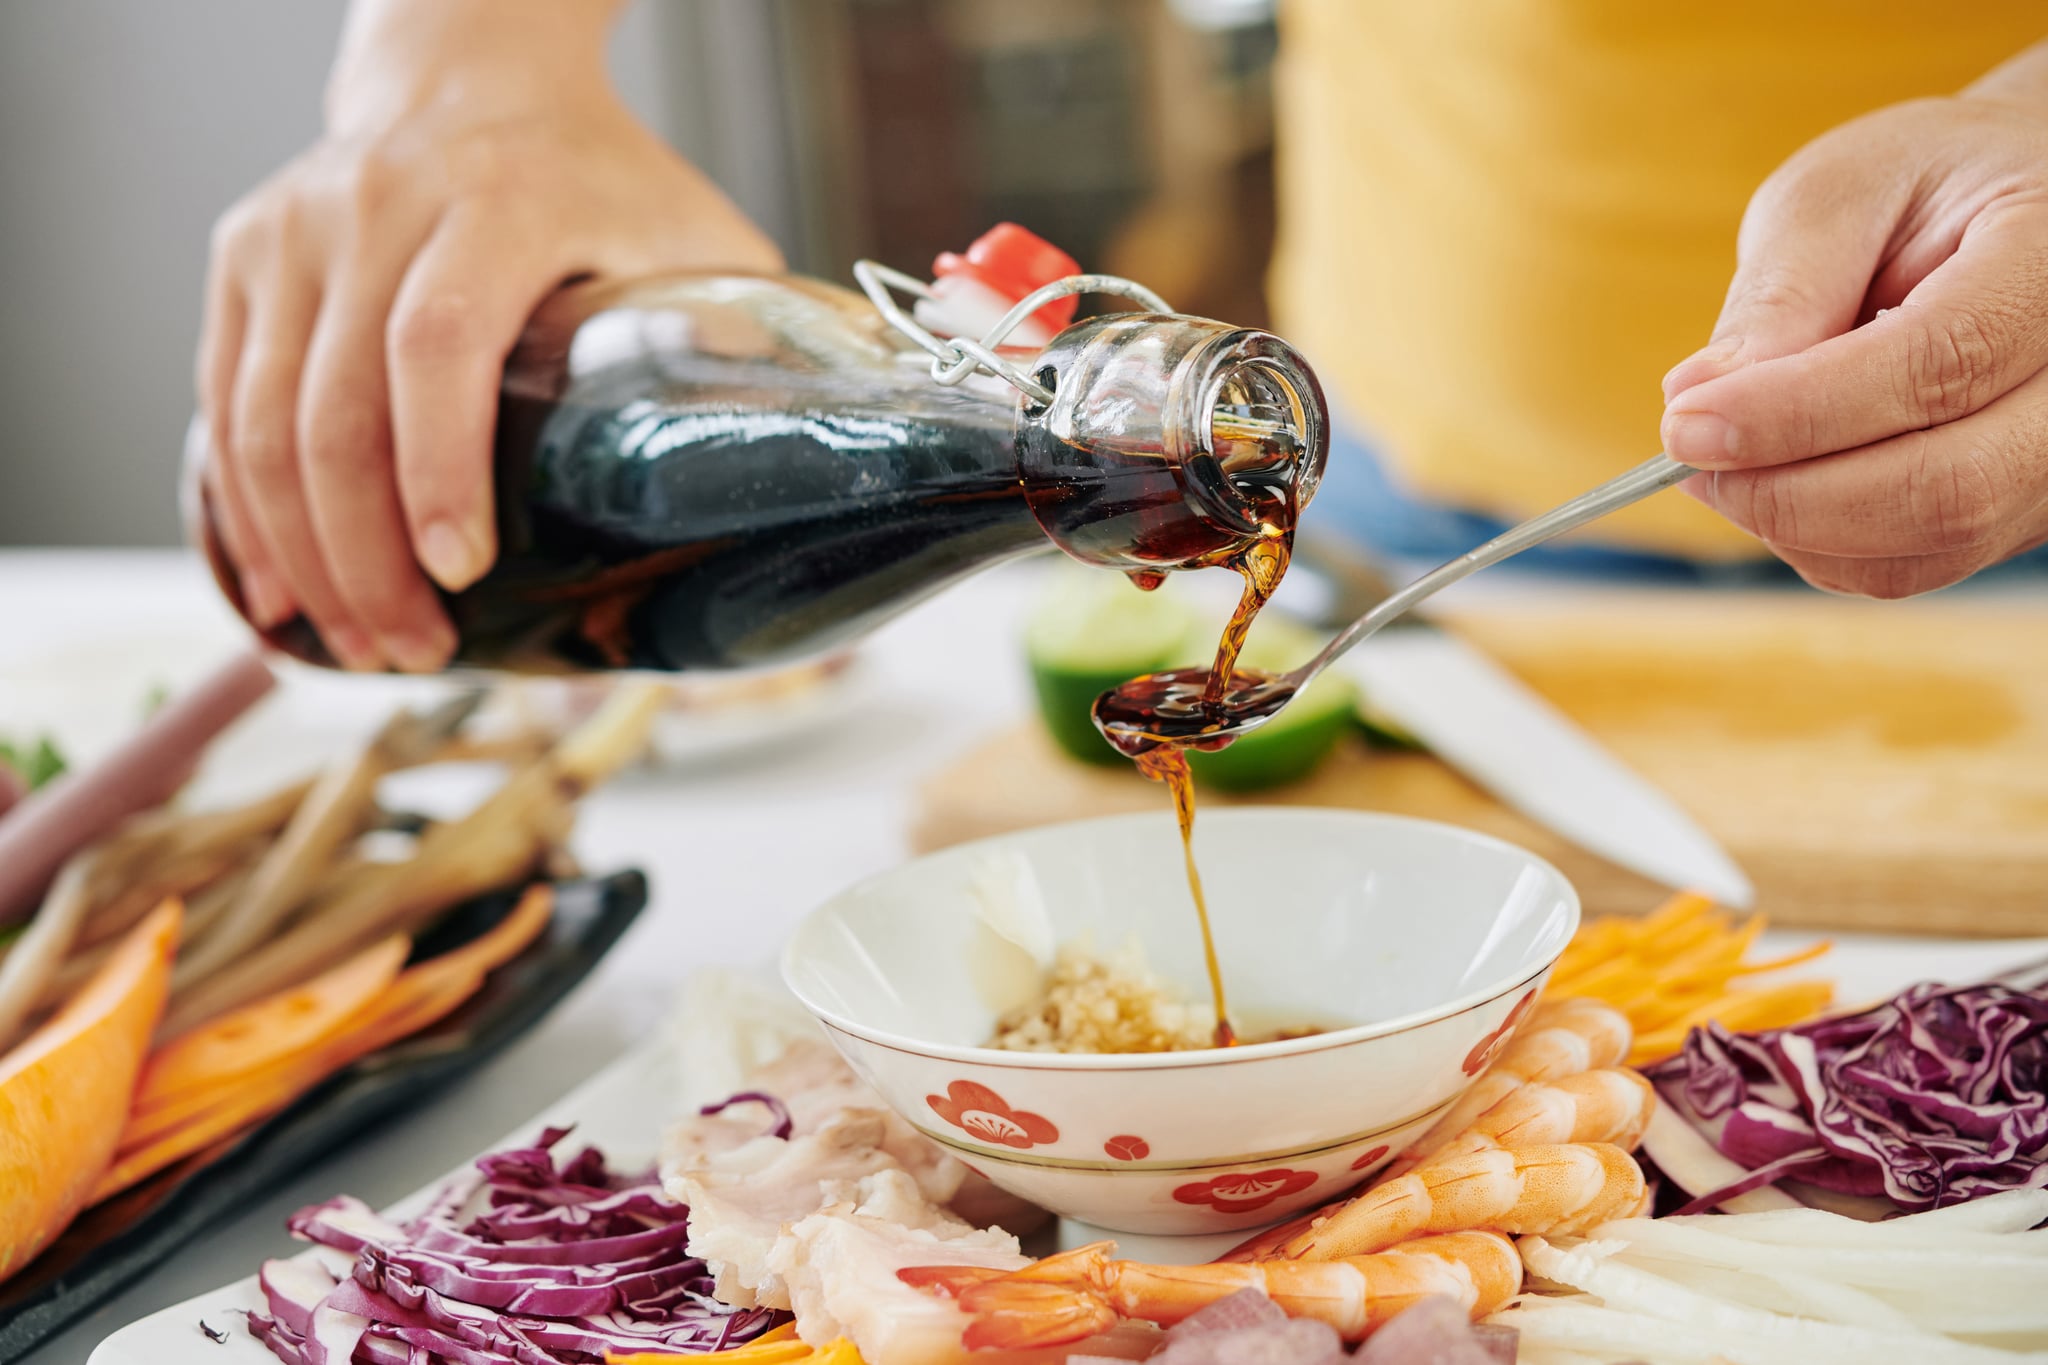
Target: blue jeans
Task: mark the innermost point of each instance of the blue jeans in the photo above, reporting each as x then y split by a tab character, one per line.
1359	499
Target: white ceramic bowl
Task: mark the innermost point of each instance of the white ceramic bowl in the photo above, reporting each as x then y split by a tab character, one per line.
1425	939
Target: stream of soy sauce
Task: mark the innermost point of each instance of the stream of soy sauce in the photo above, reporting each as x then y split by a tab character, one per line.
1155	719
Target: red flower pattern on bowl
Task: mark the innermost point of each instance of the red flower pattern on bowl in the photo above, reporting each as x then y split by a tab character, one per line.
1368	1156
1245	1191
1486	1049
1127	1147
980	1112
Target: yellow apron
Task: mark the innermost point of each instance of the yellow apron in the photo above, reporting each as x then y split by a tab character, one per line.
1501	221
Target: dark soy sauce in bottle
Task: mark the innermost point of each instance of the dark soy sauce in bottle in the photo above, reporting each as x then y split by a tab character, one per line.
727	472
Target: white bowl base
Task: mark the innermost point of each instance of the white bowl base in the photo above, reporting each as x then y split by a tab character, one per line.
1134	1246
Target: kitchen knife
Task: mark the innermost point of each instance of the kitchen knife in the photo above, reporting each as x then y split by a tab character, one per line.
1487	724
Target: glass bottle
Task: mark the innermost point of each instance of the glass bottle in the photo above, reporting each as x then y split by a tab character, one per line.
728	471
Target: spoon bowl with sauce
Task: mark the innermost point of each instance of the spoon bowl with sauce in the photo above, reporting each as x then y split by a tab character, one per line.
1190	706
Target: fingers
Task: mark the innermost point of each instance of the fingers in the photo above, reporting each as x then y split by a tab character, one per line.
222	323
263	593
1967	334
459	312
1967	493
345	462
1811	239
262	450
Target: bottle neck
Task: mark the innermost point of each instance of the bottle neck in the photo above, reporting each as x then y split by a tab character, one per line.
1170	442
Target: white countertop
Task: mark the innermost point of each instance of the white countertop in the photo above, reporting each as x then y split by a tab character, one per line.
736	848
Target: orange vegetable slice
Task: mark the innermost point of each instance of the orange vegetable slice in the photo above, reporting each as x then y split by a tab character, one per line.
275	1027
259	1099
404	1009
147	1125
417	997
504	940
65	1090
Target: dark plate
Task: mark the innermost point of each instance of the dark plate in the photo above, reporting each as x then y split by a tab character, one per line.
115	1243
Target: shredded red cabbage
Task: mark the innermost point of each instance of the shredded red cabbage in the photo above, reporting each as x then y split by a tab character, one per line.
784	1125
1938	1096
526	1261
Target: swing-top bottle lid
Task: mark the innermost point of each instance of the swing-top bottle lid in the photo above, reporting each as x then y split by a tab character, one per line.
970	292
1146	440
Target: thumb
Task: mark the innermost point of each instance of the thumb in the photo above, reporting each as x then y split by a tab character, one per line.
1811	241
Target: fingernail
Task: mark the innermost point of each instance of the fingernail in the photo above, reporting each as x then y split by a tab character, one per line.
448	555
1699	438
266	600
352	646
421	650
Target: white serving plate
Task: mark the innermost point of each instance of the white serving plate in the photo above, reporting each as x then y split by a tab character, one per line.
610	1110
613	1110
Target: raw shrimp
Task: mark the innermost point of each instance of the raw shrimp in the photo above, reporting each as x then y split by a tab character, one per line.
1613	1105
1080	1293
1556	1189
1562	1038
841	1265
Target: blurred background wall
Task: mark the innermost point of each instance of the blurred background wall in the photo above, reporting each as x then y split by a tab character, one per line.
1136	133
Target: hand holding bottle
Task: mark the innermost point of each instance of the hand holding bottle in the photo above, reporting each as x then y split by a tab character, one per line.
361	302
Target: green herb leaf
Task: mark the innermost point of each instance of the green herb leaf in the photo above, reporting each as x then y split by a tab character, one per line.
37	764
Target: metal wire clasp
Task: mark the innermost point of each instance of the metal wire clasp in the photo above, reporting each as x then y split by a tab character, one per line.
953	360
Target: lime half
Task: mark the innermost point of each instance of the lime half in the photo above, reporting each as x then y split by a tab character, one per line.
1095	630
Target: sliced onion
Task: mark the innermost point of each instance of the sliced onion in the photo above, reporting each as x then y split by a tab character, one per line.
1684	1154
1737	1328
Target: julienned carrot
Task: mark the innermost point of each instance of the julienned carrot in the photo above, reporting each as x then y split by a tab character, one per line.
1791	959
780	1346
1686	905
1676	967
1747	1009
416	998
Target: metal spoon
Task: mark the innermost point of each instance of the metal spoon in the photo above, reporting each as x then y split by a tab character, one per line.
1171	705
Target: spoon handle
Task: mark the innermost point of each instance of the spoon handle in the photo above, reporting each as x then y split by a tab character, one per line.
1651	476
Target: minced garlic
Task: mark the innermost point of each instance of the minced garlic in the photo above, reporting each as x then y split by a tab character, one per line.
1094	1003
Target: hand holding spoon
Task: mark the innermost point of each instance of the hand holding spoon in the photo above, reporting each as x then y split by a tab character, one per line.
1171	706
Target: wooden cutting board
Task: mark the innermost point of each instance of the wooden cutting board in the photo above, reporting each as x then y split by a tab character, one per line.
1877	766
